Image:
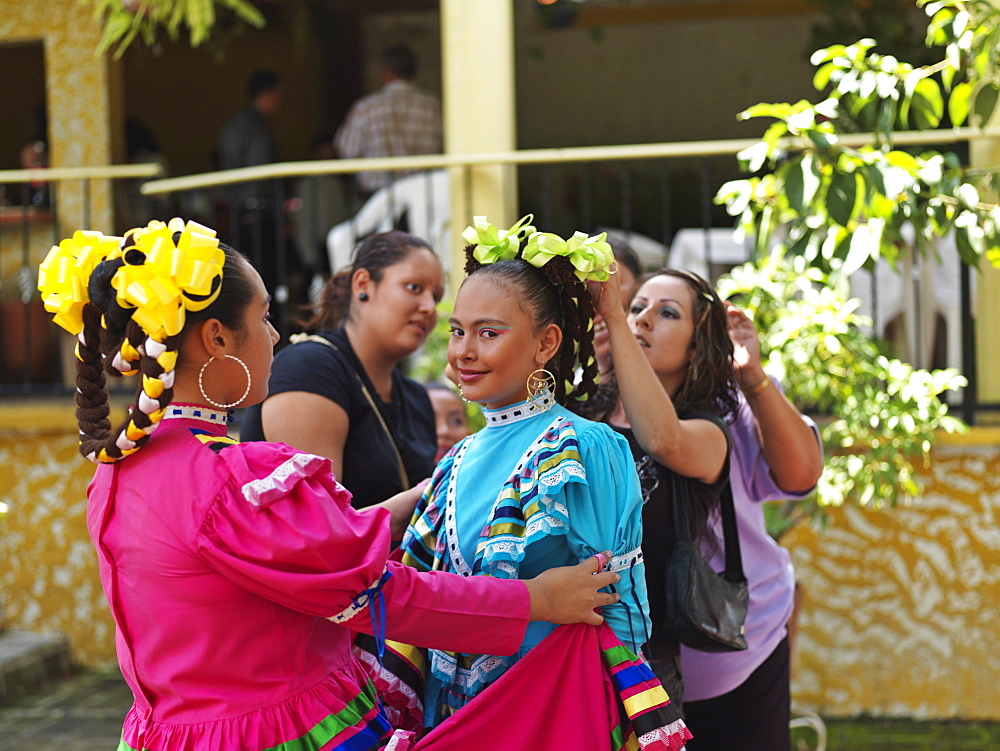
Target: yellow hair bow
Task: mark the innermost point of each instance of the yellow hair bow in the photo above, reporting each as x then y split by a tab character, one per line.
64	274
162	279
494	244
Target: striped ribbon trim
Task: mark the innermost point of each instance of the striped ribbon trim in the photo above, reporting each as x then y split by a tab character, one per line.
648	721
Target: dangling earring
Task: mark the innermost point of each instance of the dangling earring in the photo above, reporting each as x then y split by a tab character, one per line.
201	386
541	383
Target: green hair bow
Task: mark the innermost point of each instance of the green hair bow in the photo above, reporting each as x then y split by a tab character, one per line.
591	256
494	244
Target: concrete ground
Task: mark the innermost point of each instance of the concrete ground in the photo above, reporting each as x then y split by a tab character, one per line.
82	712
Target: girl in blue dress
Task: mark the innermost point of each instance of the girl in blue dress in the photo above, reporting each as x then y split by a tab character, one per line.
539	486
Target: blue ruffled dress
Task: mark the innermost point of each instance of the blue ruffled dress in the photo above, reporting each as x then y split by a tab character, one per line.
538	487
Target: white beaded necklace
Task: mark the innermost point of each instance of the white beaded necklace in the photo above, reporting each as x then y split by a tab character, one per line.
178	411
520	411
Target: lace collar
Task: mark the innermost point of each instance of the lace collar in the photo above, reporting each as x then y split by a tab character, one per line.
520	411
193	412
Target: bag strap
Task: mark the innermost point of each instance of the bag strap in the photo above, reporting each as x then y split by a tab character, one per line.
400	467
730	531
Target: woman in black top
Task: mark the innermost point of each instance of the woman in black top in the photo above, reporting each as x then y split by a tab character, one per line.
340	394
668	394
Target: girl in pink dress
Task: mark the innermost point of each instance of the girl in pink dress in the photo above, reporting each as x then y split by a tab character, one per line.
236	573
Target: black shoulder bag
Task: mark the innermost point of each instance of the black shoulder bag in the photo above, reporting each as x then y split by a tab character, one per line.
705	609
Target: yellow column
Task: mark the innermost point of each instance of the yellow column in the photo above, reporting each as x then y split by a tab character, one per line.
477	41
985	152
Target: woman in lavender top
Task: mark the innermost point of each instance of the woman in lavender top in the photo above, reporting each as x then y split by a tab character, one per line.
776	455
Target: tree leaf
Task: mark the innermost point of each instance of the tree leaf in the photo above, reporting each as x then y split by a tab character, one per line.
821	56
985	103
842	197
864	244
801	183
969	237
968	195
928	103
876	178
910	82
821	78
959	103
752	158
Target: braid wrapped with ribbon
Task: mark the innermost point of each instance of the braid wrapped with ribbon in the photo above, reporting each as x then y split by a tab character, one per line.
127	300
568	265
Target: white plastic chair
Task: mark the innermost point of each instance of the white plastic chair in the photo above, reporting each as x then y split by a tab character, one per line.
423	197
918	291
807	719
694	249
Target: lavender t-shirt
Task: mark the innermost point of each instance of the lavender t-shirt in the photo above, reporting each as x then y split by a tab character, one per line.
767	566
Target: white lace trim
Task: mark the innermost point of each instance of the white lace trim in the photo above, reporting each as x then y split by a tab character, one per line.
673	734
387	682
505	567
401	740
513	546
572	469
281	479
468	680
360	603
450	527
552	518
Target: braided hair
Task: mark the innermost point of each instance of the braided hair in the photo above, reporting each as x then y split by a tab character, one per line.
112	342
554	294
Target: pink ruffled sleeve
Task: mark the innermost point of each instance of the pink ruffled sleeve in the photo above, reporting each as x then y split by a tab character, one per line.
284	529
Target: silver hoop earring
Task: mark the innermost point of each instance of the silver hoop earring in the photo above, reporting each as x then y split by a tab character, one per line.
201	385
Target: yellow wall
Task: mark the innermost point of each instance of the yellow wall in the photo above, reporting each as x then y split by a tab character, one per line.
901	611
49	579
78	95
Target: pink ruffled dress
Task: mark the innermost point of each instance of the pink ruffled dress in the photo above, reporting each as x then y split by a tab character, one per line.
236	574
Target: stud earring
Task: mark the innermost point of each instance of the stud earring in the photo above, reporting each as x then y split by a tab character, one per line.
363	297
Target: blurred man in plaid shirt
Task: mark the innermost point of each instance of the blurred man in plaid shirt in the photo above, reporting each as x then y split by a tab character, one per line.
399	119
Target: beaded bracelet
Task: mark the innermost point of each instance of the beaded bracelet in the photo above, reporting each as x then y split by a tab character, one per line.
764	383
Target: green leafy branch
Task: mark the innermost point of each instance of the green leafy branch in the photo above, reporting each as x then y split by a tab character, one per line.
124	20
827	201
879	415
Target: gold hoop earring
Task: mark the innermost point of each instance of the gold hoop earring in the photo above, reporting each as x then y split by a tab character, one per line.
539	383
201	385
